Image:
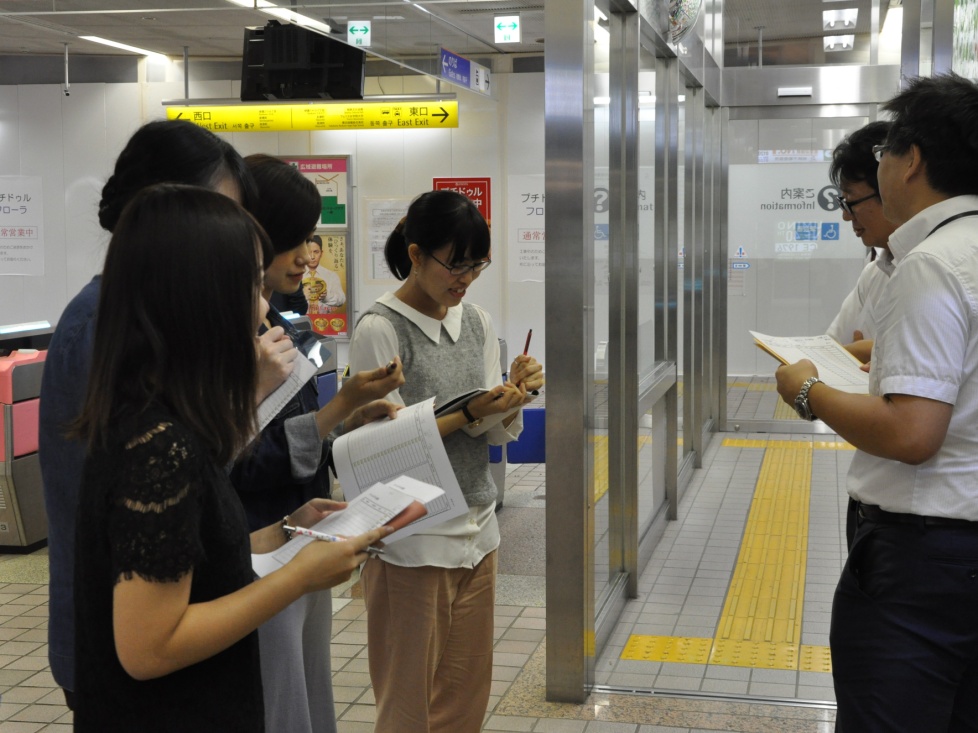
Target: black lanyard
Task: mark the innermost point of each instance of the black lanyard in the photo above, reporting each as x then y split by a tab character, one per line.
952	218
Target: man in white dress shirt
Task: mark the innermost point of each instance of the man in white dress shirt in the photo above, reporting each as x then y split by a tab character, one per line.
904	631
854	172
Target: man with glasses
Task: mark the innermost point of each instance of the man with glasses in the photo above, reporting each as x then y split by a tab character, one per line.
854	172
904	631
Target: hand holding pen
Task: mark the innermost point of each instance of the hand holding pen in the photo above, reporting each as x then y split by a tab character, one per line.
321	565
526	372
323	537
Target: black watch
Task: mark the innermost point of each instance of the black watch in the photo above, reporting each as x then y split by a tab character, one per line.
802	407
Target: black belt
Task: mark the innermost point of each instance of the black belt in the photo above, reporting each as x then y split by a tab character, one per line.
871	513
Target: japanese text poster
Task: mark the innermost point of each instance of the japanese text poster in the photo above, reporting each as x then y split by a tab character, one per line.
21	226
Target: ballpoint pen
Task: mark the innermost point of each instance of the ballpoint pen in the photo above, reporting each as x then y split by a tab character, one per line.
327	538
526	351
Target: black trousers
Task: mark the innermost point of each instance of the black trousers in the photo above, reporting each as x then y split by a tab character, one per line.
904	632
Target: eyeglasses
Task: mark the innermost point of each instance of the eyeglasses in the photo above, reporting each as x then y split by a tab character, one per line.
848	206
878	151
475	267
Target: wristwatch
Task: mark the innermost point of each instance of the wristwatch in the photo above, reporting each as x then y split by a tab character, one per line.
473	420
801	401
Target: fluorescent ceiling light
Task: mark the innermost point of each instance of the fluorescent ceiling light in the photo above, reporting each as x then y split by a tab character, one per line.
838	43
839	20
289	16
125	47
794	91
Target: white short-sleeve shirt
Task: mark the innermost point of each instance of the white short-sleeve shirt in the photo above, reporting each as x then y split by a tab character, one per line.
927	346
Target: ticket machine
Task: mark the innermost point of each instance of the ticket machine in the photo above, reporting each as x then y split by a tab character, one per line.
23	522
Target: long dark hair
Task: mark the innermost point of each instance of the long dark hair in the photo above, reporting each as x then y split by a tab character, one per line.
172	151
435	219
177	317
288	204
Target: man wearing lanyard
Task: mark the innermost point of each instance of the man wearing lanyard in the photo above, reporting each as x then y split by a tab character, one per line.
904	631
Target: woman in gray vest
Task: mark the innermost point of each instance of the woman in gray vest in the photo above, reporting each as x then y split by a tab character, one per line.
430	599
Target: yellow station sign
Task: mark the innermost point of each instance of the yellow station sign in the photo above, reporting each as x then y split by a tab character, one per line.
275	117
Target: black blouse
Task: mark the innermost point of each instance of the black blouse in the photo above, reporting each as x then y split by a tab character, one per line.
154	504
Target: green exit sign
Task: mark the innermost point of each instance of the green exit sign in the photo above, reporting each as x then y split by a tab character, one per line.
358	33
507	28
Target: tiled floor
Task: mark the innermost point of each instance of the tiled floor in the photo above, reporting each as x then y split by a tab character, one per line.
682	592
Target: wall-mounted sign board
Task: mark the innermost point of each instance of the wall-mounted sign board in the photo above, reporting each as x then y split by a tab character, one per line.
277	117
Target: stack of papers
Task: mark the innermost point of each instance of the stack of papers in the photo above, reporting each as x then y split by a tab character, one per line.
399	502
836	366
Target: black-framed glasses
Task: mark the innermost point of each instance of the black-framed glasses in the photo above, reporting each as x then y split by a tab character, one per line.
475	267
848	206
878	151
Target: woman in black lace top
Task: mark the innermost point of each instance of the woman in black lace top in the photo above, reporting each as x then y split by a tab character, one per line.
165	604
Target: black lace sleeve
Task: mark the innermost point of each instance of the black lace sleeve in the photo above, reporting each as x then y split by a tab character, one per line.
154	512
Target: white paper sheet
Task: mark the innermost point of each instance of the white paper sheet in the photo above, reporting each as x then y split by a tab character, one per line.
408	445
302	371
836	366
372	508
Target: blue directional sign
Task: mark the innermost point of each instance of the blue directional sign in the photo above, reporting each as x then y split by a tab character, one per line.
455	68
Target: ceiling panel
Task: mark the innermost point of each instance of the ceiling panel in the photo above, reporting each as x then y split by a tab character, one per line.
400	28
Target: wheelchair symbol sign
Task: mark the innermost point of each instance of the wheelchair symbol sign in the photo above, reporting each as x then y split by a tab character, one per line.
830	231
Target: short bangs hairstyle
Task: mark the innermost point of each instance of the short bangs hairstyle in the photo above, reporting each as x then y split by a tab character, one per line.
434	220
288	206
853	160
177	317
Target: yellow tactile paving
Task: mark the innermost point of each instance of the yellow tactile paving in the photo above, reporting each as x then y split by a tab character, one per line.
600	466
760	625
815	659
784	411
687	650
601	462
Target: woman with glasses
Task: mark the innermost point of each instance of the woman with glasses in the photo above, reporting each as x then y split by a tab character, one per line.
287	464
854	166
430	599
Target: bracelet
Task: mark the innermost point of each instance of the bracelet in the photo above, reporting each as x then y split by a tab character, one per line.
473	420
286	522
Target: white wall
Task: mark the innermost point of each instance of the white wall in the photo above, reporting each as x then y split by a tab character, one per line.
72	143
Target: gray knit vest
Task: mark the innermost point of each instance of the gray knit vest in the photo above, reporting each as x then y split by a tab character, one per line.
442	371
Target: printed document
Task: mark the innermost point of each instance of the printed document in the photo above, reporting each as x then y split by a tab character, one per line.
302	371
408	445
836	366
379	505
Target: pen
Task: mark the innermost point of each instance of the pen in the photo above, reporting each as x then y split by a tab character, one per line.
327	538
526	351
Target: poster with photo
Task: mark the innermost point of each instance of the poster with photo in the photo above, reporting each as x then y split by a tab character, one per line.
326	284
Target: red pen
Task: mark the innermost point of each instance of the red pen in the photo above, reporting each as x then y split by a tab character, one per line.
526	351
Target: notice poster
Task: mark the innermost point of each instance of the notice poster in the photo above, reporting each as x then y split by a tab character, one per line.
526	216
382	215
323	284
787	212
21	226
476	189
326	284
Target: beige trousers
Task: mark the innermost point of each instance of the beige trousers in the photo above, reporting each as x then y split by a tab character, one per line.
429	638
